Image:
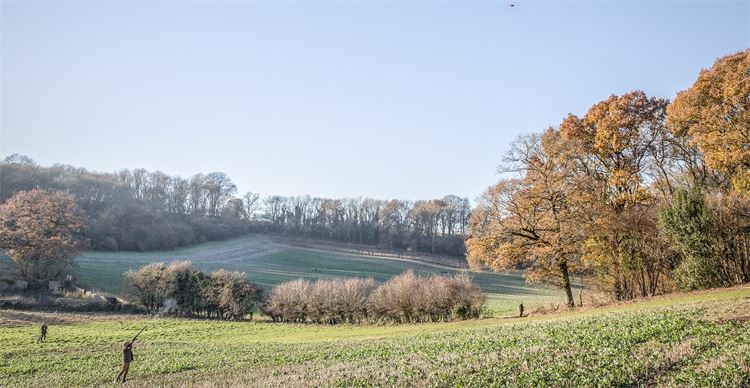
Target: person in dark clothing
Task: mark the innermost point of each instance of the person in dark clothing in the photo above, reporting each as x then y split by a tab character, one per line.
127	358
43	333
520	310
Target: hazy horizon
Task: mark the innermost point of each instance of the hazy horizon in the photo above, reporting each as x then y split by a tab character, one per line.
379	100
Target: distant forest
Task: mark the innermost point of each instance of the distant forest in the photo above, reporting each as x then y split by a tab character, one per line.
140	210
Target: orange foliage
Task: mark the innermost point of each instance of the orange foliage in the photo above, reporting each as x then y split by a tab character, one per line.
715	112
532	221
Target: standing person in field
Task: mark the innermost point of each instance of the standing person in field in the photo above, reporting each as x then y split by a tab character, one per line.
520	310
42	333
127	357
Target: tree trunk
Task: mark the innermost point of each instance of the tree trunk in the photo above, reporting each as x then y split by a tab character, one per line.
566	283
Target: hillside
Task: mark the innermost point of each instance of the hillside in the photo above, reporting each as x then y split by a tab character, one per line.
682	339
268	262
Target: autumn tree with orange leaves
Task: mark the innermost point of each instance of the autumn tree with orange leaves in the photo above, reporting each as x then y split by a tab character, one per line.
715	113
622	144
39	229
532	221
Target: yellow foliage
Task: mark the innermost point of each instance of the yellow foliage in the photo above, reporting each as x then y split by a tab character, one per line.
741	183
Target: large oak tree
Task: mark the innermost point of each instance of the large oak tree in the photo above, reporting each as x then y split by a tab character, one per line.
622	145
532	221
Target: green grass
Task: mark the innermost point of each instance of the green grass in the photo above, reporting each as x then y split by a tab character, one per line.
269	263
682	340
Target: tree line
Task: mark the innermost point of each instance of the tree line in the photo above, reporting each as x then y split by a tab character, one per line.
135	210
140	210
436	226
639	195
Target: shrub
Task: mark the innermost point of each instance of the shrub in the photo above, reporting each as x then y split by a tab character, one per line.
178	288
180	283
353	299
147	284
288	301
339	300
410	298
236	296
396	300
467	298
320	302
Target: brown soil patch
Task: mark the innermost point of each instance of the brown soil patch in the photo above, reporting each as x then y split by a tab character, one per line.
13	318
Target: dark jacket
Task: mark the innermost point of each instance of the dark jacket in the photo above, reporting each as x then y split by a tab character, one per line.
127	353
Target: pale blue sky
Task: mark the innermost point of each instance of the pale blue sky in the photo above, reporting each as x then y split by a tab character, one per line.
383	99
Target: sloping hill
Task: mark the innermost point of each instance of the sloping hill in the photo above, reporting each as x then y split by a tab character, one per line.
269	262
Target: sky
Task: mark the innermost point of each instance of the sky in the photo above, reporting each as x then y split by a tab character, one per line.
409	100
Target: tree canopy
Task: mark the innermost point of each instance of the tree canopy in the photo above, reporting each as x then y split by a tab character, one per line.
40	230
715	113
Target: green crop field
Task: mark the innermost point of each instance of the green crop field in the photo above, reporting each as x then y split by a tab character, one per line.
268	263
698	339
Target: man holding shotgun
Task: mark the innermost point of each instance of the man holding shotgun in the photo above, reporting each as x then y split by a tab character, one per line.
127	357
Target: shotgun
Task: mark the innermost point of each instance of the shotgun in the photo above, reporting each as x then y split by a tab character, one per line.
139	333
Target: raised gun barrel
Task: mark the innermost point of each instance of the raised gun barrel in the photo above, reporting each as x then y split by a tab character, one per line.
139	333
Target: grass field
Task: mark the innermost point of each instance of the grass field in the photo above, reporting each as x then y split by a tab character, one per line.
698	339
268	263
